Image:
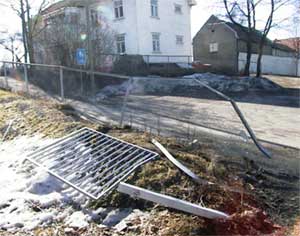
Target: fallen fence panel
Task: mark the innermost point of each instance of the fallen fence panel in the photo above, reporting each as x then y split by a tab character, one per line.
91	162
171	202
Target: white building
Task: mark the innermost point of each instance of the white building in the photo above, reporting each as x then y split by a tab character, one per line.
142	27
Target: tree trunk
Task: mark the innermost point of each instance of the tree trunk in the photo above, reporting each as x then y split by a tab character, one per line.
248	60
12	51
24	31
260	53
29	34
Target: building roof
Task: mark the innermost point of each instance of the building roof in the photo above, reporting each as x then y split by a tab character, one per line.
72	3
293	43
67	3
242	34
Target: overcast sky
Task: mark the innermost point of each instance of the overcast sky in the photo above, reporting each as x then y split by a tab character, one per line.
200	14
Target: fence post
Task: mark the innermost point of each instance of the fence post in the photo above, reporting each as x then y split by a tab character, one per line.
125	102
61	78
26	78
81	83
168	66
148	64
5	75
93	83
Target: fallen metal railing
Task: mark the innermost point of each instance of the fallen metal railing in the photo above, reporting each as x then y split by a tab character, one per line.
171	202
240	115
91	162
95	164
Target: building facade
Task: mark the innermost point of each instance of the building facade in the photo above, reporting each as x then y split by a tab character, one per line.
223	45
141	27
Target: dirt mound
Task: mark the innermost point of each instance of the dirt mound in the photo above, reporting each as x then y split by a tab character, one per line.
186	85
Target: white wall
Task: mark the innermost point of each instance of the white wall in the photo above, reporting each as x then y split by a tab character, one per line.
126	25
168	24
272	64
138	25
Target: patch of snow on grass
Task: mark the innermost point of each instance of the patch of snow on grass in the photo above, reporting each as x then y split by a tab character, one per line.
29	197
78	220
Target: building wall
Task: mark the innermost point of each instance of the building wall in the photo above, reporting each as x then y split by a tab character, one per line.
243	48
272	64
225	59
281	53
126	25
138	25
168	24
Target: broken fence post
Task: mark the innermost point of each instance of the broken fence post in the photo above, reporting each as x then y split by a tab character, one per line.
240	115
179	165
188	172
171	202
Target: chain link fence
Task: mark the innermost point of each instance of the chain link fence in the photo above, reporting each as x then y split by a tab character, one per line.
183	108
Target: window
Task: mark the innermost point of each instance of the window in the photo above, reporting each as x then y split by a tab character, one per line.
178	9
213	47
118	5
72	18
121	47
95	17
156	42
154	8
179	39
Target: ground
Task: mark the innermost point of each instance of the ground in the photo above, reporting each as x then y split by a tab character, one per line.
261	195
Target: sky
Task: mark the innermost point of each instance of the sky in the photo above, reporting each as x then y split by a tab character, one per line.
200	13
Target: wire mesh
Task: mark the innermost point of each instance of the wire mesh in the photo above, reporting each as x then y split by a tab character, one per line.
174	107
90	161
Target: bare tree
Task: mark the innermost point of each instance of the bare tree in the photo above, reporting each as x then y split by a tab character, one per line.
29	23
274	6
63	34
242	14
11	43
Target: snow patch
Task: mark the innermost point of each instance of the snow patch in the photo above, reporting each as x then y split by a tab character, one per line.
29	197
78	220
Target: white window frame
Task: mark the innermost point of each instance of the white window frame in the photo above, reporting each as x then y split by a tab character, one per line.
154	8
176	7
121	43
118	9
156	42
213	47
179	40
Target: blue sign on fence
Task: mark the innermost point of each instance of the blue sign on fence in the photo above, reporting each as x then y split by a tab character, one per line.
81	56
